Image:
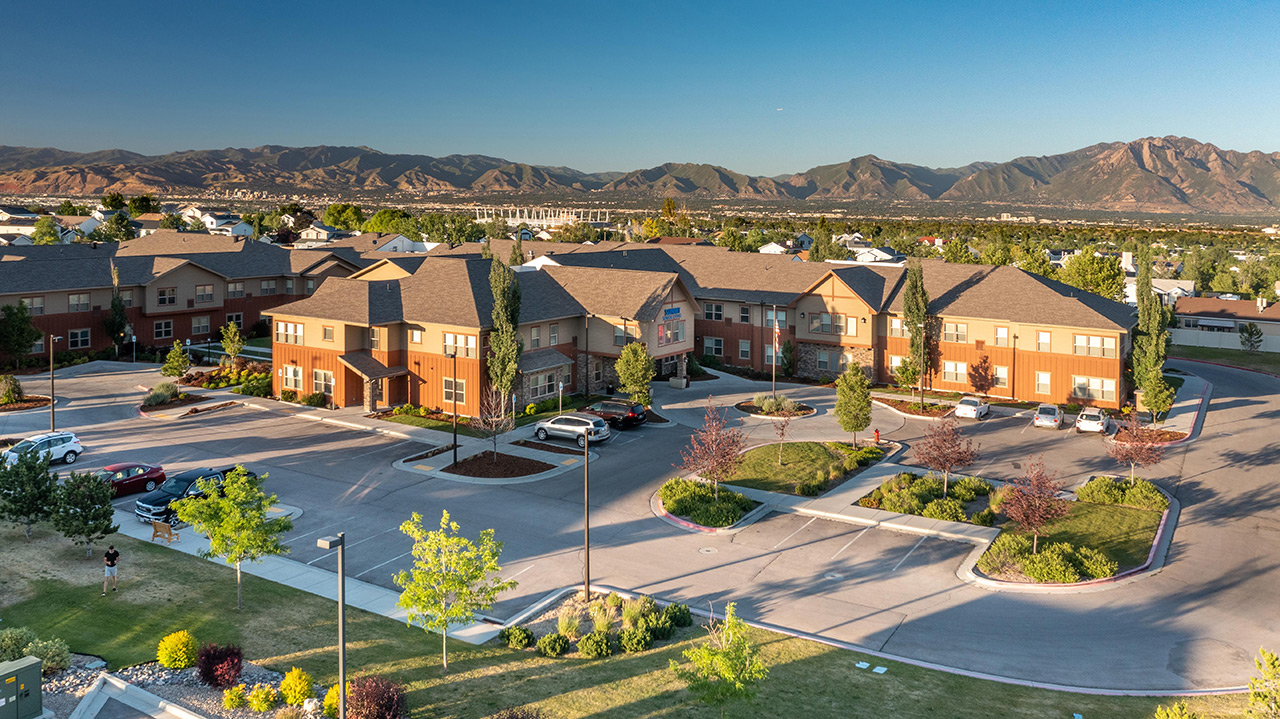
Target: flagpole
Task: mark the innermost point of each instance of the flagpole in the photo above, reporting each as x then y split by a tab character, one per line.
774	379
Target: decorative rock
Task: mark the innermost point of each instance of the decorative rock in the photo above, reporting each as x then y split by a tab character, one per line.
96	665
311	706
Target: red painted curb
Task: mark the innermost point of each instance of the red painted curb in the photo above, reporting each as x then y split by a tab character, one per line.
683	522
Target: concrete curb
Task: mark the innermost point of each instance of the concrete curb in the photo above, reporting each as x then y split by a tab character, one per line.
1205	396
559	468
19	412
655	506
908	415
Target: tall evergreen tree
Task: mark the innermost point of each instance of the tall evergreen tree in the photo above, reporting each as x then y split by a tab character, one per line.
915	311
504	339
517	252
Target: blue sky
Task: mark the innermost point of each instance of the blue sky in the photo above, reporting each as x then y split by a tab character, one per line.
759	87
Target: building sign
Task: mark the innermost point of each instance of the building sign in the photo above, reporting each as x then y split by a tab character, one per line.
671	313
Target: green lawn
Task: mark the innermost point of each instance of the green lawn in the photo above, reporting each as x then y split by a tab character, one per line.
800	462
428	423
570	404
50	588
264	342
1123	534
1263	361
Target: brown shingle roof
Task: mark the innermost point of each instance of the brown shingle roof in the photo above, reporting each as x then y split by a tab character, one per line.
618	293
1242	310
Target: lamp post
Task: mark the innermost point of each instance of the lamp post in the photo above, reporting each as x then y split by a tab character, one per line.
586	515
339	544
52	399
454	356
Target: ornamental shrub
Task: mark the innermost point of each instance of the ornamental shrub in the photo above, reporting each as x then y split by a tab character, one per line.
234	697
288	395
13	641
516	637
648	607
679	614
263	698
985	518
613	600
1054	564
634	640
902	502
601	617
658	625
177	651
219	665
696	500
553	645
330	706
10	390
1094	564
980	487
1005	553
257	385
1177	710
595	645
569	623
869	502
53	654
949	509
168	388
531	408
296	687
155	398
315	399
1101	490
812	487
927	488
1144	495
851	463
290	712
375	697
997	497
631	615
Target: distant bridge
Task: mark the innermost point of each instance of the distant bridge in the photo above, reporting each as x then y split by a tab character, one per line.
542	216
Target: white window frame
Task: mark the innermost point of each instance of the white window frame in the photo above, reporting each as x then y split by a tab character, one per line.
955	371
292	378
768	353
452	384
162	330
712	311
780	316
200	325
535	337
267	287
895	361
327	333
898	328
126	298
1093	346
79	339
1044	382
235	290
713	346
415	337
824	360
206	296
744	349
288	285
955	332
1044	341
166	296
1093	388
553	334
35	305
236	318
744	314
322	381
78	302
1000	377
1002	337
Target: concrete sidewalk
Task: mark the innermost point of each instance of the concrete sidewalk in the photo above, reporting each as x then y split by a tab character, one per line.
1188	406
111	697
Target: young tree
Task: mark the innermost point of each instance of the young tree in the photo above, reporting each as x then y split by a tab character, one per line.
715	449
727	667
47	232
635	371
853	401
177	362
998	252
944	450
1250	337
17	333
452	578
780	425
234	518
497	228
117	228
1157	395
1264	691
173	222
28	491
1136	449
195	224
116	320
504	339
492	421
957	252
915	312
232	340
517	252
83	511
1032	501
787	358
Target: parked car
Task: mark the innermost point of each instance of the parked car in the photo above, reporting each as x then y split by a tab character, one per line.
574	425
130	477
155	506
620	414
1048	415
973	408
1092	419
60	446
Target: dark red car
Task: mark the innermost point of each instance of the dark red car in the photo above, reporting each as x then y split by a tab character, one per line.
131	477
620	414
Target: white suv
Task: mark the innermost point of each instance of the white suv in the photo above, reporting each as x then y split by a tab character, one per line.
60	446
575	425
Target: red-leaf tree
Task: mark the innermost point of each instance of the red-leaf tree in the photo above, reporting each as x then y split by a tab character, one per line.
1137	448
1032	500
944	450
715	450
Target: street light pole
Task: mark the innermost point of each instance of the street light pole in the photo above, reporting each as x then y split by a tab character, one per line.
586	515
454	356
52	397
339	543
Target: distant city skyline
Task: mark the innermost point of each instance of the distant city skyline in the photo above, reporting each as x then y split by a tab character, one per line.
755	87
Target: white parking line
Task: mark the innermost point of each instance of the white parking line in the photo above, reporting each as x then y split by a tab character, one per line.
789	536
334	524
900	561
851	541
349	546
522	571
389	561
380	449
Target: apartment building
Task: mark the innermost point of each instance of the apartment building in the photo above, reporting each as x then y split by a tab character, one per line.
175	286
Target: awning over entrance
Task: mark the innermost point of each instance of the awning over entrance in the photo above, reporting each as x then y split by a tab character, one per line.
542	360
371	369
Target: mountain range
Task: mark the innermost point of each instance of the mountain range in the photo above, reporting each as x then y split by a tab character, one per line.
1153	174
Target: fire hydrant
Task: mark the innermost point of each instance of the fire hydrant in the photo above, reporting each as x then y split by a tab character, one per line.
877	437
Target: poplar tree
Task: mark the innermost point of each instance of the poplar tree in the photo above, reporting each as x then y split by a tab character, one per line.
504	339
915	312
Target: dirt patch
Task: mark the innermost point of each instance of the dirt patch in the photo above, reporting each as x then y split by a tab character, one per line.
31	401
1150	435
542	447
503	466
654	417
429	453
802	410
930	410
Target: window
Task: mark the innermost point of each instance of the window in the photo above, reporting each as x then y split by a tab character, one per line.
670	332
772	316
235	289
35	305
292	377
955	332
236	318
78	302
1002	337
38	346
713	311
744	314
542	384
713	346
126	297
1094	346
167	296
744	349
289	333
955	372
455	390
204	293
553	334
535	337
1042	382
374	341
896	328
415	336
1093	388
288	285
464	345
163	329
824	360
78	339
310	285
268	287
846	359
619	335
200	325
1042	341
598	372
1001	378
321	381
768	354
894	363
326	334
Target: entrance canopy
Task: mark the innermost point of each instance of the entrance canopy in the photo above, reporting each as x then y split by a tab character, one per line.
366	366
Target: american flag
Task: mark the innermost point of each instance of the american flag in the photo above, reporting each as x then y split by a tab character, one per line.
777	332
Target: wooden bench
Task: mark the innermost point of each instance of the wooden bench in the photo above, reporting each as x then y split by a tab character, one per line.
164	531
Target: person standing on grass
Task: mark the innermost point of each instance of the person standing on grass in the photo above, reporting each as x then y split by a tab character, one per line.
110	559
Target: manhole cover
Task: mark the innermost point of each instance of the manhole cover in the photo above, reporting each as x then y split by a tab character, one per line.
832	575
708	550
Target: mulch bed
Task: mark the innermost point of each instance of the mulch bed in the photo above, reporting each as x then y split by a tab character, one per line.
542	447
802	410
702	377
930	410
507	466
430	453
654	417
181	400
1151	435
31	401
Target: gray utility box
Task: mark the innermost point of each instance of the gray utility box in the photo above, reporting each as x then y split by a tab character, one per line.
20	689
